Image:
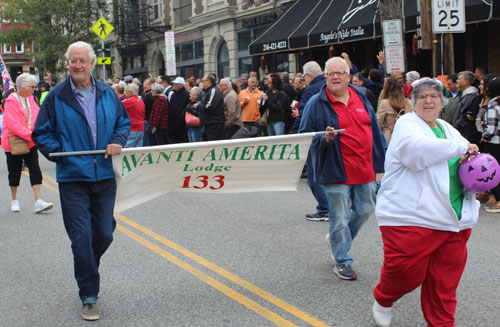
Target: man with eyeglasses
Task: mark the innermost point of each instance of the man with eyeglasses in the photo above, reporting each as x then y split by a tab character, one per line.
345	164
82	114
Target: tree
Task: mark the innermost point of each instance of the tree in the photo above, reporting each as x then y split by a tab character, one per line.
50	26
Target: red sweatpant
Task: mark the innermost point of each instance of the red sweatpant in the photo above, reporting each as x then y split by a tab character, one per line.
415	256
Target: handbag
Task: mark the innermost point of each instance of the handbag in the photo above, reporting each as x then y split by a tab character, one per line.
18	145
192	120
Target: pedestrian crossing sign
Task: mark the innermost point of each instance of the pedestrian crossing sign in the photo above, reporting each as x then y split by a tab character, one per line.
102	28
104	61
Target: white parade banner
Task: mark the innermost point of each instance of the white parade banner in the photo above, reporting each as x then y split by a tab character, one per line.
230	166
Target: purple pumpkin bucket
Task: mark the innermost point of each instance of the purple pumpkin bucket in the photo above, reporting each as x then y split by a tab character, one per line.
480	173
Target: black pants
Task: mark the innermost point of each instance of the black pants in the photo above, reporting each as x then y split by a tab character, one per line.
177	136
229	131
15	166
214	132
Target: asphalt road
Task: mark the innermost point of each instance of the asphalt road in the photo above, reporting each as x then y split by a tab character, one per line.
215	260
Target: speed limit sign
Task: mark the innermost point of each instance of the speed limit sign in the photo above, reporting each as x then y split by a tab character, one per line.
448	16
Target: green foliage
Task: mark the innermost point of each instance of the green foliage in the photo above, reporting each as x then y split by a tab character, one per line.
50	25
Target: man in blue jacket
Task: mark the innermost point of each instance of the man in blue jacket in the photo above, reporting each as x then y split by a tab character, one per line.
313	76
345	164
81	114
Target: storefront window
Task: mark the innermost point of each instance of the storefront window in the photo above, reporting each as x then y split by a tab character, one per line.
177	53
245	65
189	58
198	50
244	40
223	61
187	51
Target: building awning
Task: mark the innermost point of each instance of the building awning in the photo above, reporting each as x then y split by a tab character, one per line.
317	23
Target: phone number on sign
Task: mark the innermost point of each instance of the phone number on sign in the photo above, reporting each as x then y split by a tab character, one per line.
274	46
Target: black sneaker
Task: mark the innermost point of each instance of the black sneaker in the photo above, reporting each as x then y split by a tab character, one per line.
344	271
90	311
317	216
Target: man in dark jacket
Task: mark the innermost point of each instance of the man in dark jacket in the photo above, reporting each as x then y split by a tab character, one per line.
345	165
148	99
314	79
81	114
211	109
467	108
178	100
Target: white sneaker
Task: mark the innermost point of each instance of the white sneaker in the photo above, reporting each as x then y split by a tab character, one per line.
14	206
327	240
382	315
41	206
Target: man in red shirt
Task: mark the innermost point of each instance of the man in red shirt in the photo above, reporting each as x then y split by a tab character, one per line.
345	164
136	110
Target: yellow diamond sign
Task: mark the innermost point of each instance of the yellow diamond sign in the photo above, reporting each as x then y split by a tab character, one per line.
102	28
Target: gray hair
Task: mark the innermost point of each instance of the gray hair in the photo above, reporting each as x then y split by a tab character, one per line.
133	88
312	68
81	45
196	90
252	78
337	59
425	84
468	76
412	75
26	80
158	88
225	82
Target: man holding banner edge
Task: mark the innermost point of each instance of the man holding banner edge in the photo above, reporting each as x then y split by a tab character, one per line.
82	113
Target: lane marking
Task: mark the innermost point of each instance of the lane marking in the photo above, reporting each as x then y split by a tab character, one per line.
202	261
226	274
236	296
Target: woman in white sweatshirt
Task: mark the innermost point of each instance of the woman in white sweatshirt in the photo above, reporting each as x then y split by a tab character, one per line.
424	213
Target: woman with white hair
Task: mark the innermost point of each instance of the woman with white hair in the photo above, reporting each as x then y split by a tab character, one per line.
158	121
20	113
136	111
195	133
424	213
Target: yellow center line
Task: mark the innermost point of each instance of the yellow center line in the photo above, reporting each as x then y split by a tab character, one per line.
236	296
221	271
202	261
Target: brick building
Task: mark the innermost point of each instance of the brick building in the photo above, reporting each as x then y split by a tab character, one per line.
14	55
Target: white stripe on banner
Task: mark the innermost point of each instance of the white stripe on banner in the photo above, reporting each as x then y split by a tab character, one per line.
230	166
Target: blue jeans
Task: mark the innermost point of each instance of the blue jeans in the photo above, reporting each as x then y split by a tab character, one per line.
195	134
135	139
87	209
350	207
317	191
276	128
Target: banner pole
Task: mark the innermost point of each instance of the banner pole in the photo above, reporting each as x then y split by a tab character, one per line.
91	152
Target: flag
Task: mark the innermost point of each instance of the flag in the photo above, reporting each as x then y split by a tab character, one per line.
259	164
7	82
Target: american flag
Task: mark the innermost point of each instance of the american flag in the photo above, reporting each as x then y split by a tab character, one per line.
7	82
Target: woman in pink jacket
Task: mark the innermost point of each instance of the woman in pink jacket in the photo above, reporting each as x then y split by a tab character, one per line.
20	112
